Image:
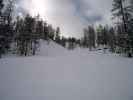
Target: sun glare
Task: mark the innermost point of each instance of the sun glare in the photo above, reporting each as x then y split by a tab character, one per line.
39	7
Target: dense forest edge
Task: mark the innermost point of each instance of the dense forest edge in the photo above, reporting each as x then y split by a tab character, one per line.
21	35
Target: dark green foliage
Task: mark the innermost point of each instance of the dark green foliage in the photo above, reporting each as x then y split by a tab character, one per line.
46	31
112	39
100	35
63	41
25	36
124	11
6	26
1	6
89	37
72	43
57	36
120	11
29	30
51	32
103	36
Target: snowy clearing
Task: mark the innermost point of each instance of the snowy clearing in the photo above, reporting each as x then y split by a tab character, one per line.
58	74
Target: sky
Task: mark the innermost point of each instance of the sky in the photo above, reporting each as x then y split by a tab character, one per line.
72	16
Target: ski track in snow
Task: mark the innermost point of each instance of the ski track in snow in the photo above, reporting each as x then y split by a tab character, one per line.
58	74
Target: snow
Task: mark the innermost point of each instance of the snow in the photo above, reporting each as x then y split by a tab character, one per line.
50	49
59	74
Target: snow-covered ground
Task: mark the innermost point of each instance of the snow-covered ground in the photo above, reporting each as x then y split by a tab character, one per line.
58	74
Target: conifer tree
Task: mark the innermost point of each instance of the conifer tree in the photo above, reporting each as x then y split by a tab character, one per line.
57	37
91	37
1	28
119	10
122	11
25	36
6	26
100	35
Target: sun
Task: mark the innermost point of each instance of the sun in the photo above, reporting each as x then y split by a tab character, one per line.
40	7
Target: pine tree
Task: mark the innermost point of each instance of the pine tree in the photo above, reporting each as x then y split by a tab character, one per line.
18	32
1	28
119	10
19	38
112	39
38	28
85	42
37	33
6	26
122	11
63	41
29	23
8	11
51	32
100	35
26	36
131	25
91	37
1	6
46	31
71	43
57	37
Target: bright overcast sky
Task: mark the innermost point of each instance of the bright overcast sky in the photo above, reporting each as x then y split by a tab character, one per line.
71	15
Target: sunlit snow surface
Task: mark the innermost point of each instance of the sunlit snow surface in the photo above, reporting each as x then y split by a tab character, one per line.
58	74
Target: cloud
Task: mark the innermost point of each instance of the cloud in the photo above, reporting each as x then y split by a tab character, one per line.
71	15
86	12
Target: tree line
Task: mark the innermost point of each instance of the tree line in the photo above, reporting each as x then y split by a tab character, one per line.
25	32
118	38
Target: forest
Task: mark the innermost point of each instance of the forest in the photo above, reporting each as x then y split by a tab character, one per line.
21	34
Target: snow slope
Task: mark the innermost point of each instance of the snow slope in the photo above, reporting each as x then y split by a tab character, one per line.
63	75
50	49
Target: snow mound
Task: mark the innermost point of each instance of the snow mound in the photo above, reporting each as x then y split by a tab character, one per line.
50	48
